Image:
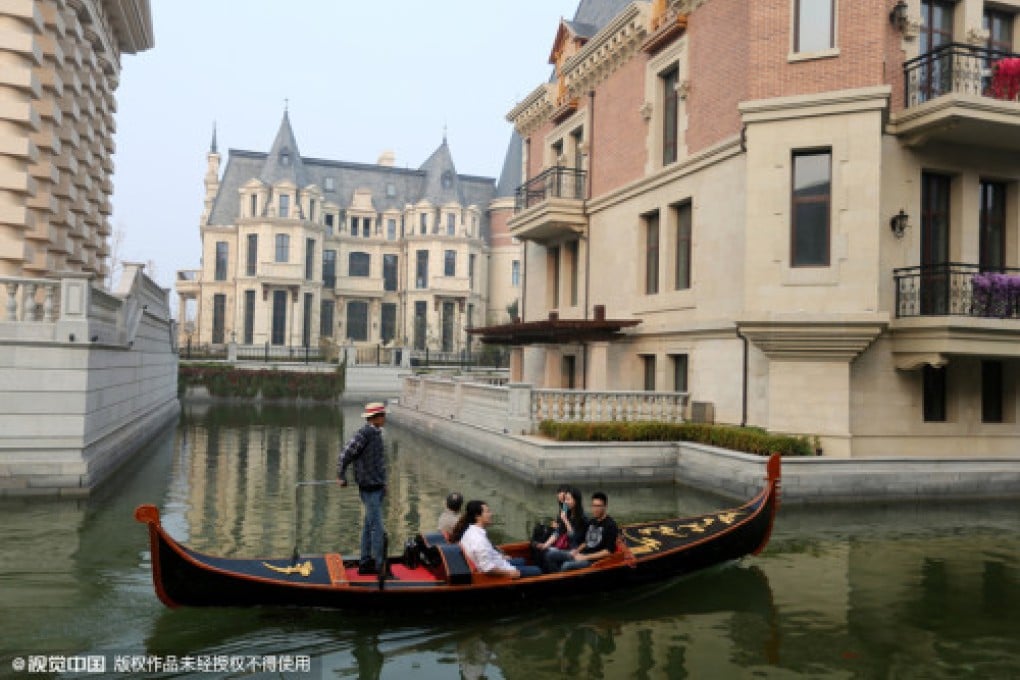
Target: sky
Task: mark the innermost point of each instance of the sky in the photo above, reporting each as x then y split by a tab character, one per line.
357	78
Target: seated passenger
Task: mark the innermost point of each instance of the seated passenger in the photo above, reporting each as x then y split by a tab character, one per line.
451	513
470	533
570	527
599	539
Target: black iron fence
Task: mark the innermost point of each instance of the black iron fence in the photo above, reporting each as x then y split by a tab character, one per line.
557	182
954	68
488	358
265	352
956	289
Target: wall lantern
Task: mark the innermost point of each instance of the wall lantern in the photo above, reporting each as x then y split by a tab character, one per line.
898	15
898	223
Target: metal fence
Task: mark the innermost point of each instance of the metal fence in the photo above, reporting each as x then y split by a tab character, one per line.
490	358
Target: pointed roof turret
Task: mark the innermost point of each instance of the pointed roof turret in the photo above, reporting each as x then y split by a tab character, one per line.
441	185
212	146
512	174
284	159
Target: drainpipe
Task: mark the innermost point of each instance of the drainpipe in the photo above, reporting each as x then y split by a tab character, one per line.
587	232
743	389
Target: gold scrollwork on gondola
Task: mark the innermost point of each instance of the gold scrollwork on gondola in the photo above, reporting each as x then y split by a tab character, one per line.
304	569
650	539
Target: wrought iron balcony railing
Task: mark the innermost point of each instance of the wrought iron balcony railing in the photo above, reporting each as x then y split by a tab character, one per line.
556	182
954	289
957	68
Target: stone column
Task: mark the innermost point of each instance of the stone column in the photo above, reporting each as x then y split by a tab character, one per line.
598	366
553	367
516	364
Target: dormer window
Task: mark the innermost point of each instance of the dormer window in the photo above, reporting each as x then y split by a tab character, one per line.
391	190
285	157
254	205
284	205
330	183
447	179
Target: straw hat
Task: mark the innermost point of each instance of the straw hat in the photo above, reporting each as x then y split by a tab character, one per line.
376	408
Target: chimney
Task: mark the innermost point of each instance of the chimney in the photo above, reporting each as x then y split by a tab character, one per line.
600	312
387	158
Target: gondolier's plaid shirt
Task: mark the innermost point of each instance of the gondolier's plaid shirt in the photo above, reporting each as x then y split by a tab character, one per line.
365	451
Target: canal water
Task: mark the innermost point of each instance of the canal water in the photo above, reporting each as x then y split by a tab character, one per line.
904	591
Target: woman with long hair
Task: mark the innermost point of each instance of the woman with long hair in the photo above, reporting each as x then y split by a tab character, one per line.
570	527
471	512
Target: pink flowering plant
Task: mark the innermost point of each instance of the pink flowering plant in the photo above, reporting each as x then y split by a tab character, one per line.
995	294
1006	79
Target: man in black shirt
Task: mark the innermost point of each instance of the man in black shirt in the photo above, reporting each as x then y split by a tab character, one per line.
600	539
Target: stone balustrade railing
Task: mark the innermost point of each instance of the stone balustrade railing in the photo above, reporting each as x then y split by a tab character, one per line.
594	406
520	408
31	299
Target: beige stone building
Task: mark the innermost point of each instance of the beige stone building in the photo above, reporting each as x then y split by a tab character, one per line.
802	213
298	249
60	63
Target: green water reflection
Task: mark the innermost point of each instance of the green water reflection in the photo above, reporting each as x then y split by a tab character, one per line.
898	592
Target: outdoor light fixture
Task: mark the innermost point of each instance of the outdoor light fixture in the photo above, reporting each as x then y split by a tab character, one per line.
898	223
898	15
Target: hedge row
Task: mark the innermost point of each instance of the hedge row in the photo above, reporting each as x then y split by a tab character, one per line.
226	381
746	439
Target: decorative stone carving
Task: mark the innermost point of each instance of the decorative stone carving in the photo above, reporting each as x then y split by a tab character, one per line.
646	111
683	88
977	36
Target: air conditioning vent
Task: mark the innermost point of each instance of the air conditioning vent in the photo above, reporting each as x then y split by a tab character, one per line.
702	412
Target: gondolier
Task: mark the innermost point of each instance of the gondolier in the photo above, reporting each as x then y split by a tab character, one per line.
365	452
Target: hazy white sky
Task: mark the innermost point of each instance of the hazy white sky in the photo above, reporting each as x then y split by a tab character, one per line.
360	77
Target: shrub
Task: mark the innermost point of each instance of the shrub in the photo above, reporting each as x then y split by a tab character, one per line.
226	381
746	439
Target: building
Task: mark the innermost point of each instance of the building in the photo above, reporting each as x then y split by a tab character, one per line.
300	250
88	374
805	214
61	65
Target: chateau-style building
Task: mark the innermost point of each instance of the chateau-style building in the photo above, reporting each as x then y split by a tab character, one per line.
803	213
296	249
61	65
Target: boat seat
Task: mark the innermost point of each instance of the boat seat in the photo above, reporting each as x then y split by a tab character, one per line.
458	571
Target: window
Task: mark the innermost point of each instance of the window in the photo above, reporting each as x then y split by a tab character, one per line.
354	226
471	272
389	272
815	25
358	264
253	255
999	25
284	205
421	270
424	226
253	206
357	320
391	229
218	318
569	372
329	184
279	335
420	324
306	321
935	75
992	227
991	391
450	263
810	209
648	369
651	253
388	322
935	284
554	279
326	308
515	273
448	321
366	227
329	224
679	362
249	317
309	259
682	275
573	263
221	260
670	112
282	248
933	394
311	210
329	268
451	224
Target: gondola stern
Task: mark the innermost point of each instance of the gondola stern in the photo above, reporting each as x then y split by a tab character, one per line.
774	474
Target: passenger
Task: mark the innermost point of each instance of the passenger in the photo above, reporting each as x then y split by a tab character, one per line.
470	533
569	530
451	513
599	539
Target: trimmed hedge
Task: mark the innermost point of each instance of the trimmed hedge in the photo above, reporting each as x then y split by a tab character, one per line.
227	381
746	439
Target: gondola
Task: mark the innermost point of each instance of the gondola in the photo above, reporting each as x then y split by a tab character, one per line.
433	575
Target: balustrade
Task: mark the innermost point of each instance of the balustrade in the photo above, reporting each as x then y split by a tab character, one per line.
31	299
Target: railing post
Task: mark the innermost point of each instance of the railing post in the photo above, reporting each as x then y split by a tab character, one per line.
267	352
519	409
378	355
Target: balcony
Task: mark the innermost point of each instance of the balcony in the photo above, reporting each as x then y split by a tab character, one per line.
955	309
550	205
962	94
